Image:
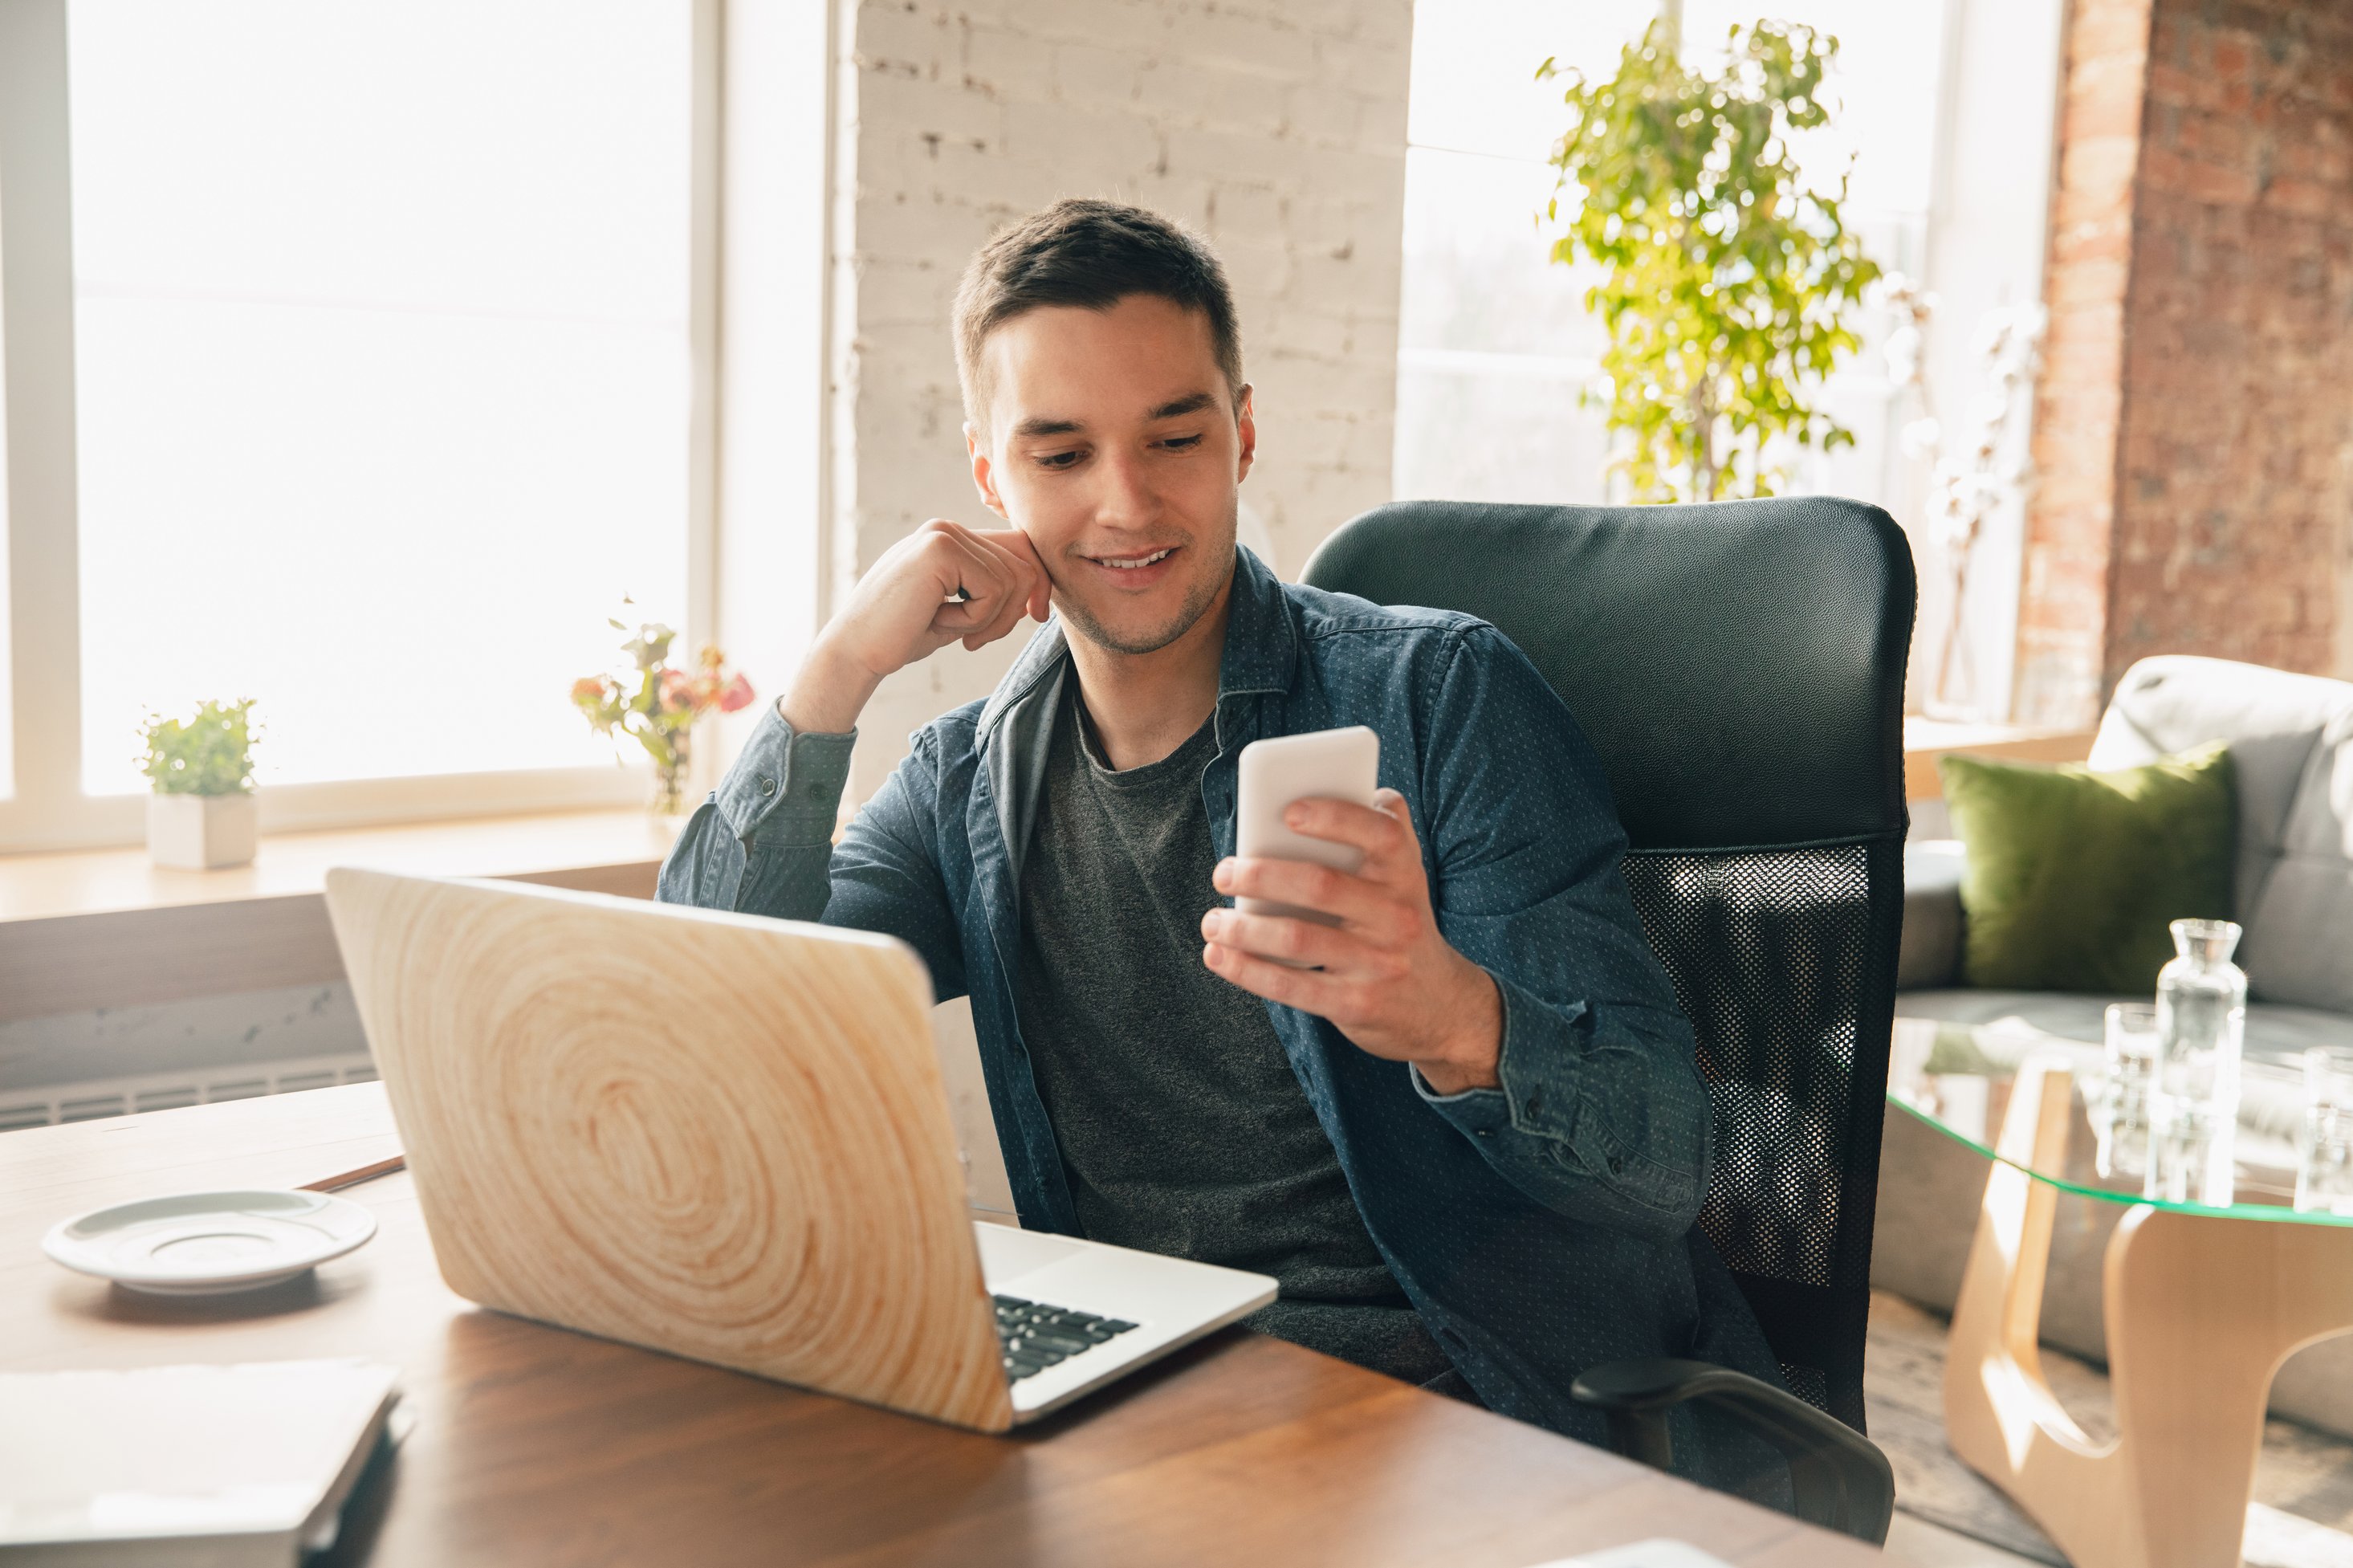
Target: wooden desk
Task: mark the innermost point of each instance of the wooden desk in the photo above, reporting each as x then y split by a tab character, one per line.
537	1445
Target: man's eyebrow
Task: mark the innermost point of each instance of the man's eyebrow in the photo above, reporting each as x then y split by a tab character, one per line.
1192	403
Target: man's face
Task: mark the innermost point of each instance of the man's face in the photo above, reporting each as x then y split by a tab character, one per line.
1114	443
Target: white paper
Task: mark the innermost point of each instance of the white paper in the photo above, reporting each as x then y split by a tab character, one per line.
1658	1553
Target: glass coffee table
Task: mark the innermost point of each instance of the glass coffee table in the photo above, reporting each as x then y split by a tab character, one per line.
2202	1302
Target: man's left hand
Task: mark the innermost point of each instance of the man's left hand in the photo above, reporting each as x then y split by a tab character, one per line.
1384	976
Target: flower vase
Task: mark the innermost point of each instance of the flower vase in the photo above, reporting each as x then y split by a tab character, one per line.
670	779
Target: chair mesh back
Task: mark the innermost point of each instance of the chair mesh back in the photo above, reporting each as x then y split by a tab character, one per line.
1780	965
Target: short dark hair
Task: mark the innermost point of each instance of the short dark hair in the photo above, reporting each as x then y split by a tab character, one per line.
1090	254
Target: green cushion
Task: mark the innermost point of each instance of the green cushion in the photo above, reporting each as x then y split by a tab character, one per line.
2073	875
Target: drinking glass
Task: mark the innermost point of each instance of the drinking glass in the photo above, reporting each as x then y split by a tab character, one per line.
2324	1173
2121	1122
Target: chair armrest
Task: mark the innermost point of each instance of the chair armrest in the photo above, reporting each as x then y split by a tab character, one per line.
1929	955
1840	1478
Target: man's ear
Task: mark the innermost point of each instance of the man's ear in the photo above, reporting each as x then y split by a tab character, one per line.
1245	426
983	471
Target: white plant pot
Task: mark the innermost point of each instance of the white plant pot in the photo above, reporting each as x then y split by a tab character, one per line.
201	832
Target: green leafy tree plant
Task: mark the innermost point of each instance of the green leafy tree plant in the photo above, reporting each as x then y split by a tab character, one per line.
211	754
657	706
1727	279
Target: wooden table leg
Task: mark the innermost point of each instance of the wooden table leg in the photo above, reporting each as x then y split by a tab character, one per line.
2201	1311
1999	1414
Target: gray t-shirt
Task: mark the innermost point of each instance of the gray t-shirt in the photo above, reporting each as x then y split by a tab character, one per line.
1182	1129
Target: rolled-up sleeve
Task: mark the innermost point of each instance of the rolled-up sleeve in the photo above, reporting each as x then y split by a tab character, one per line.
762	844
1549	1134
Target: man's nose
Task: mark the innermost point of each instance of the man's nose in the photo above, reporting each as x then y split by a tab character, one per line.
1128	498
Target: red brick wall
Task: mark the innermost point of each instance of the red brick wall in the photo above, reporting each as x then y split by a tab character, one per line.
2079	400
2197	489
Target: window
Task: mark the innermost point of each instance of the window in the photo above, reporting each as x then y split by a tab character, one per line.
1494	342
383	378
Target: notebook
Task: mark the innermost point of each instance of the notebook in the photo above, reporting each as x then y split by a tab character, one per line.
225	1466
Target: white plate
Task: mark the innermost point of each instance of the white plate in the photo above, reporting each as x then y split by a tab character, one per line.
205	1243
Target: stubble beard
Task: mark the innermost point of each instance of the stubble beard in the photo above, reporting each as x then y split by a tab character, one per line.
1198	600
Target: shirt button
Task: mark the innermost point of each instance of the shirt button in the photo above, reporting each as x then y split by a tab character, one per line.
767	786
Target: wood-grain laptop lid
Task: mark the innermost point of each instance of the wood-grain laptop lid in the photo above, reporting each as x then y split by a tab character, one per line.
715	1135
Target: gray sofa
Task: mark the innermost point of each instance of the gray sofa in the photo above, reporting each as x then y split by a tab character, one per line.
2291	739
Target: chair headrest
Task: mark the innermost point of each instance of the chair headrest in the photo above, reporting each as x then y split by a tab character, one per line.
1738	667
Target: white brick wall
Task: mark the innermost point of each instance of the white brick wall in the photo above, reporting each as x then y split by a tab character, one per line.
1277	130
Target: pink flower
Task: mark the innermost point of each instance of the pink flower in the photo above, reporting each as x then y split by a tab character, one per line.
588	689
737	696
677	691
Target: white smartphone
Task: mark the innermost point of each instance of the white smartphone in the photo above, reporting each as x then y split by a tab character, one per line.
1335	764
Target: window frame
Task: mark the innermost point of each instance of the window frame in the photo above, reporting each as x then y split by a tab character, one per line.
47	808
1899	477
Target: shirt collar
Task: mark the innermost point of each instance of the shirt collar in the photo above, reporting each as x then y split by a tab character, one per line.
1260	643
1259	656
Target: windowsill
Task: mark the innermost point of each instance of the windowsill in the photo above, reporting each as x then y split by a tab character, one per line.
1928	739
96	882
96	928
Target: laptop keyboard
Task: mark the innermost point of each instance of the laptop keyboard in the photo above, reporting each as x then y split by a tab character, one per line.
1035	1336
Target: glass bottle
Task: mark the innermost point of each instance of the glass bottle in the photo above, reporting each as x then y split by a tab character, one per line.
2201	1018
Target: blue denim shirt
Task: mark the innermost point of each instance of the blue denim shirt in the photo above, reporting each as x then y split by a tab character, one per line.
1540	1228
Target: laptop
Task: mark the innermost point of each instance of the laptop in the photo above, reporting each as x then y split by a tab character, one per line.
726	1137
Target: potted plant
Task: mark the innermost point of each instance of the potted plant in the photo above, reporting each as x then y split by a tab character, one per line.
657	706
201	815
1728	277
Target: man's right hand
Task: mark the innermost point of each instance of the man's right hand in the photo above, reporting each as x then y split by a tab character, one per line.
944	583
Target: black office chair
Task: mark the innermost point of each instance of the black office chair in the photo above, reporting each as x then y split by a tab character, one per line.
1739	668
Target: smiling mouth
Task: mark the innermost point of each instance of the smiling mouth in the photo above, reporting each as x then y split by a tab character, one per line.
1133	563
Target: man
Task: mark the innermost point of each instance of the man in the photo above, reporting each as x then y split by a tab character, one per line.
1471	1140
